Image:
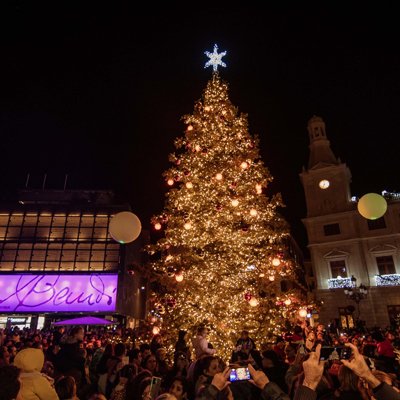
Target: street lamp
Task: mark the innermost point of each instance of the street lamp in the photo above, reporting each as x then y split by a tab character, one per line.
356	293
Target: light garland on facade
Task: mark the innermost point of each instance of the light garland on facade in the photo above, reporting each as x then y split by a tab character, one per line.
387	280
340	283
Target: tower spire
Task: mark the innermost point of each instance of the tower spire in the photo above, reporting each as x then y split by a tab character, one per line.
320	147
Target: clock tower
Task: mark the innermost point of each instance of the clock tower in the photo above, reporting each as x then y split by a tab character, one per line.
326	181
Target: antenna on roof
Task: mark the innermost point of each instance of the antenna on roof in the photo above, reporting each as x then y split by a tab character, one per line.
65	182
44	181
27	180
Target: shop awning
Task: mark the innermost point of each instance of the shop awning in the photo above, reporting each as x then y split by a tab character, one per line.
86	321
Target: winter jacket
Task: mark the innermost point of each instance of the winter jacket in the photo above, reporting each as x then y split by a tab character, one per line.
385	349
67	358
382	392
35	385
200	345
271	391
277	374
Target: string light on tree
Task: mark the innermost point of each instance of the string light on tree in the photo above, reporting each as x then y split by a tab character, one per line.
189	185
170	182
244	165
157	226
156	330
219	177
188	225
253	212
288	302
235	202
253	302
276	262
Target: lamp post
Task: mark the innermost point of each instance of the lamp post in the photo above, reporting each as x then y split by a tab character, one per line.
356	293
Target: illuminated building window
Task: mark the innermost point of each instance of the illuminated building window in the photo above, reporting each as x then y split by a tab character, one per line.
338	268
385	265
394	313
346	318
331	229
376	223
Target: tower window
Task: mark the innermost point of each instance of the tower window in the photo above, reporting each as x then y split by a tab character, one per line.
376	223
331	229
385	265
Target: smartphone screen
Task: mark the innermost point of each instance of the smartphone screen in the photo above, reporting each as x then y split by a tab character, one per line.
154	387
239	374
346	353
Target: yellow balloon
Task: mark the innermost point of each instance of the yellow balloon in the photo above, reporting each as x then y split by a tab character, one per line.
372	206
125	227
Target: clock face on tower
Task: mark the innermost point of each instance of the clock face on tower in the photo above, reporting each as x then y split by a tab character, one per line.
324	184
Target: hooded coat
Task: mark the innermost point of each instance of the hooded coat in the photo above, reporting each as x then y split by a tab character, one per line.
200	345
35	385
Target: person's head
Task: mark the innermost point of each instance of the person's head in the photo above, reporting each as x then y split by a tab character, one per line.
320	328
4	355
157	339
145	350
109	349
320	336
355	341
48	368
179	388
370	351
119	350
160	354
311	336
10	383
180	361
77	332
391	335
377	336
298	330
113	367
348	379
135	357
12	350
280	341
269	359
166	396
66	388
144	389
202	331
209	366
150	363
127	373
37	345
244	335
290	351
28	342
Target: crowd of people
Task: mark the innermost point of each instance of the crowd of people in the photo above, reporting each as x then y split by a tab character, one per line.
305	364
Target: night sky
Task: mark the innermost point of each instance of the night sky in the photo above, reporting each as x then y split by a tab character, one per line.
96	90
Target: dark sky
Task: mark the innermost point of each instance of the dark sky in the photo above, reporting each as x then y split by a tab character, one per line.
97	89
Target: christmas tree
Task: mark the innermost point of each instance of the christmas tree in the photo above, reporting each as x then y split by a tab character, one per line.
222	257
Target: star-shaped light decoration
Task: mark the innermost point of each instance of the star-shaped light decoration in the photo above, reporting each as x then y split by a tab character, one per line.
215	58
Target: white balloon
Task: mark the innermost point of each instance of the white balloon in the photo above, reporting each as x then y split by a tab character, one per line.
125	227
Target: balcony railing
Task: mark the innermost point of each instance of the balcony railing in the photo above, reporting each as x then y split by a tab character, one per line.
340	283
387	280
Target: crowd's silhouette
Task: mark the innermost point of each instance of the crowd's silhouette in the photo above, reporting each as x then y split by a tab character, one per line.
307	363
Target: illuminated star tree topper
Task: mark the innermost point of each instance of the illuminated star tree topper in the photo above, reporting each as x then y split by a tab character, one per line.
215	59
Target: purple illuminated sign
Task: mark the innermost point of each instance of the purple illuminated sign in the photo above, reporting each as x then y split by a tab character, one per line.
43	293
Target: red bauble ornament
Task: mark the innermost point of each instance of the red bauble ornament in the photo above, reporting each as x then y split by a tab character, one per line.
245	229
199	106
219	207
177	162
221	118
165	218
187	173
177	177
204	151
280	254
193	150
189	144
170	302
233	184
251	144
247	296
167	246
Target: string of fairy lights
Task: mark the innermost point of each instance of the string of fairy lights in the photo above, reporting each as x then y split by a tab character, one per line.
222	257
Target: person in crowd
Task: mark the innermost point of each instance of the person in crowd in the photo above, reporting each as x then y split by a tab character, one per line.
290	353
310	341
12	351
181	343
108	353
66	388
156	343
279	348
10	383
126	376
150	364
48	369
35	385
143	389
145	350
180	388
67	358
274	369
161	362
135	357
119	351
97	396
4	356
58	335
348	384
180	367
132	388
205	370
50	353
200	343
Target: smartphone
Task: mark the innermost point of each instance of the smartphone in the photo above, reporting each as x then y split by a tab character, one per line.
240	342
154	387
326	352
346	353
239	374
248	344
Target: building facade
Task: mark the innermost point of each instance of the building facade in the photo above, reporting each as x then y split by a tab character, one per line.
57	260
343	244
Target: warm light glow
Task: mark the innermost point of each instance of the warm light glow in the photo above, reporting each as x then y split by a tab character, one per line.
190	128
219	177
324	184
156	330
235	203
244	165
271	278
157	226
215	59
276	262
188	225
253	302
170	182
179	277
207	108
253	212
261	275
189	185
303	313
288	302
169	257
